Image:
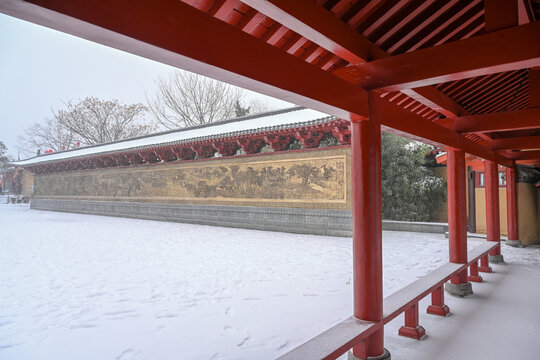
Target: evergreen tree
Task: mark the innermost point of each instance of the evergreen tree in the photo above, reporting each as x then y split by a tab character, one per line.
239	110
410	189
3	155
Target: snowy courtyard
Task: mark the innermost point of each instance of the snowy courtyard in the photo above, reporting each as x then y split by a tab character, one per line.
78	286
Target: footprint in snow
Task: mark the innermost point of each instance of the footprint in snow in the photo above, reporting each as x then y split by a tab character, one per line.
280	347
127	354
228	330
244	341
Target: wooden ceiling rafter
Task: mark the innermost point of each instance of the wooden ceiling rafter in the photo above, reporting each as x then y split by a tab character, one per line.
306	49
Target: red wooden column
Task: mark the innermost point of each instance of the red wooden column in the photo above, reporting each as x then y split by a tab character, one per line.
367	231
493	226
457	220
511	208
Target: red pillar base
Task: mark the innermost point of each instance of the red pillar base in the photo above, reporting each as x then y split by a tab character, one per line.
438	310
412	332
485	269
437	306
475	278
384	356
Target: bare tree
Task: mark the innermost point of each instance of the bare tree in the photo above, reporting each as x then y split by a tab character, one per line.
97	121
90	121
186	99
47	136
257	106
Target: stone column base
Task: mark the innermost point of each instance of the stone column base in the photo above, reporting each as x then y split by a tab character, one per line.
514	243
463	289
495	259
385	356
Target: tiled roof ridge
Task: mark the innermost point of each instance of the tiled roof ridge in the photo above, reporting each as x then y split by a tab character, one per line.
302	124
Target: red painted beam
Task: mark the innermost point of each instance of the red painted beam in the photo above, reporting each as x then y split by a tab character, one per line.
517	143
228	54
522	155
504	50
534	87
411	125
504	121
320	26
190	39
500	14
315	23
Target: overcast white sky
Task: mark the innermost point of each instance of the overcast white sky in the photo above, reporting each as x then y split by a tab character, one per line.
40	67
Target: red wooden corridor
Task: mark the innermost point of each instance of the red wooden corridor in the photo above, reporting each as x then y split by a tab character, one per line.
461	74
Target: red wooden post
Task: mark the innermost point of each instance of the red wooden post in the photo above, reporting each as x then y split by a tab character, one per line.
511	208
437	306
474	276
457	220
484	265
493	226
412	329
367	230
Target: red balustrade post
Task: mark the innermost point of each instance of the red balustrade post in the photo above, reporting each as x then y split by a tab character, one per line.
367	231
437	306
493	226
457	220
511	208
412	329
474	276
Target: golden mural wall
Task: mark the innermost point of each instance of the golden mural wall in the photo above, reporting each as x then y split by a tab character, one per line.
307	179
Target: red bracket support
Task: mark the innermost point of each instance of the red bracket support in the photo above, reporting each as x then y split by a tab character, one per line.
251	145
166	155
204	150
437	306
278	142
309	139
226	148
412	329
184	153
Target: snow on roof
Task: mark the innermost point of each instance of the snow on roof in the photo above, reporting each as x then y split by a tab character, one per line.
291	117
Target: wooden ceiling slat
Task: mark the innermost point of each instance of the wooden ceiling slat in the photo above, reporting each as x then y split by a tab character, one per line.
495	95
425	24
400	19
478	85
360	12
534	87
490	87
461	31
434	36
384	14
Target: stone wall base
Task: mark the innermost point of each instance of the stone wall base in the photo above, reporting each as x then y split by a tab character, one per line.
293	220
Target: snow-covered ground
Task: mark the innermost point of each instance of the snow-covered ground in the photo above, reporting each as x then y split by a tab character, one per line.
87	287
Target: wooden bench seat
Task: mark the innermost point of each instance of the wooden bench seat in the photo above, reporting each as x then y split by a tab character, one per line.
341	337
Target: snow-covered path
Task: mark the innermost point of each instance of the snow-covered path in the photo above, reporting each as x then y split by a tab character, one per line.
90	287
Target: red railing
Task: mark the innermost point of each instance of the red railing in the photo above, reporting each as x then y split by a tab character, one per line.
337	340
